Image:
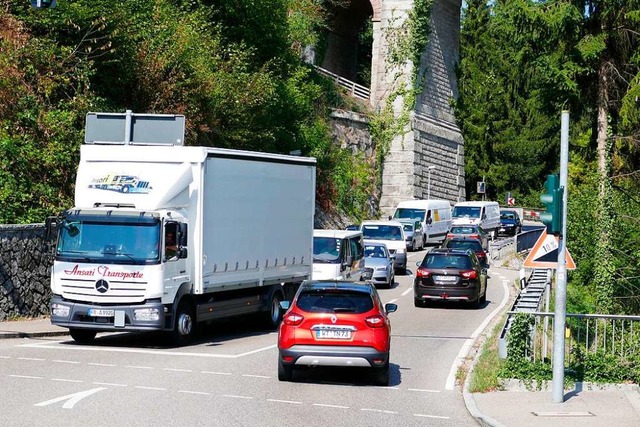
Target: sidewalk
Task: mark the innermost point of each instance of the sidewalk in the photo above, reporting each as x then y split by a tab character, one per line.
617	406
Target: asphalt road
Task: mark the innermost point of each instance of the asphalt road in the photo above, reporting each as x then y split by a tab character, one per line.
228	376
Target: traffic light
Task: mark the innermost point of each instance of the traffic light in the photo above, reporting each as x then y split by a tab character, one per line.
552	200
43	4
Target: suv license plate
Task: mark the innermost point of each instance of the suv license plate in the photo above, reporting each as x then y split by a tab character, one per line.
96	312
339	334
447	279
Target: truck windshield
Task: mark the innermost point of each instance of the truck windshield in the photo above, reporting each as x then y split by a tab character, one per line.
326	250
466	211
409	213
109	242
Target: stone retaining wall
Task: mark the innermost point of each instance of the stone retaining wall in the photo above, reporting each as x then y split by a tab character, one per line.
25	270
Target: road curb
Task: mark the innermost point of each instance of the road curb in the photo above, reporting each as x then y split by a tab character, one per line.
13	335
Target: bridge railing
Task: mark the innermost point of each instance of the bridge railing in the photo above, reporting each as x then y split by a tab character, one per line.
354	89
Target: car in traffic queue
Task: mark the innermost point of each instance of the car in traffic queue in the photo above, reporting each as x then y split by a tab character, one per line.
414	235
391	233
467	243
378	264
338	324
470	232
450	275
510	223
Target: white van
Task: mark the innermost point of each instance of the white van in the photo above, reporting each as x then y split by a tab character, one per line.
337	254
435	216
484	214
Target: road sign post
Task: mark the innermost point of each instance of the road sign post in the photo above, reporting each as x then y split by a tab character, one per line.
560	314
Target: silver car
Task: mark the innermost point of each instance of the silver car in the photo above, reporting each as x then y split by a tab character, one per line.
414	235
378	264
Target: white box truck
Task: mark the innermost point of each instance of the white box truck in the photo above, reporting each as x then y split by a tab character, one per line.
164	237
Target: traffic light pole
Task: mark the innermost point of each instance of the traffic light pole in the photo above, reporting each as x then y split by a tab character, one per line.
560	314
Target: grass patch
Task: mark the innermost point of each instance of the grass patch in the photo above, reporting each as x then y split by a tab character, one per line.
484	377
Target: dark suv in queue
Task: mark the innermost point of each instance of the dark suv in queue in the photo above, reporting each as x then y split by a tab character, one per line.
450	275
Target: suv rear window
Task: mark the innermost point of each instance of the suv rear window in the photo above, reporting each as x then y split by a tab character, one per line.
442	261
474	245
330	301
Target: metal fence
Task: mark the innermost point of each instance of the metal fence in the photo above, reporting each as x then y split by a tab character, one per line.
584	333
353	88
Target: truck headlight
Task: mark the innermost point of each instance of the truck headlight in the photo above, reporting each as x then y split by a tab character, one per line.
60	310
146	314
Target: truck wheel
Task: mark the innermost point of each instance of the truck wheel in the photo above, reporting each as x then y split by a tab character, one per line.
184	326
273	315
82	336
285	372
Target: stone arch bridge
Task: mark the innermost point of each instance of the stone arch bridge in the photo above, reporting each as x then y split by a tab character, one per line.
427	159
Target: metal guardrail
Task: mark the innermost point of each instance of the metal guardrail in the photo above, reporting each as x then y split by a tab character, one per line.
585	333
356	90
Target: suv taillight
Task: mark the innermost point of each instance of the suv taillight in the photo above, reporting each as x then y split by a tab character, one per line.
423	272
470	274
474	236
376	321
292	319
450	235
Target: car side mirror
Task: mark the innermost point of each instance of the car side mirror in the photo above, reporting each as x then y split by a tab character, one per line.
390	308
429	220
418	263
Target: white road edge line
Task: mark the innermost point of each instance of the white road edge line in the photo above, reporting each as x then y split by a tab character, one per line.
431	416
236	396
177	370
215	373
406	292
110	384
464	350
65	380
293	402
71	399
26	376
74	362
102	364
31	358
255	376
204	393
150	388
5	357
424	390
138	367
256	351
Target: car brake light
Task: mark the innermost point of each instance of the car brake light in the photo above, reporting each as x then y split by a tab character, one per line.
376	321
474	236
471	274
292	319
450	235
423	272
481	254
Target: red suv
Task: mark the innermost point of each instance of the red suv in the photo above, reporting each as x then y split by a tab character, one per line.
334	323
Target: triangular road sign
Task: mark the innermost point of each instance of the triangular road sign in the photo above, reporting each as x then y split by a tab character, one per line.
544	253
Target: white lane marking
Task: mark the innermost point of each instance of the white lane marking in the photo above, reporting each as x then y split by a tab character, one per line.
110	384
406	292
74	362
422	390
215	373
141	351
110	365
5	357
255	376
256	351
233	396
31	358
293	402
204	393
150	388
330	406
138	367
71	399
177	370
464	350
378	410
392	301
64	380
431	416
26	376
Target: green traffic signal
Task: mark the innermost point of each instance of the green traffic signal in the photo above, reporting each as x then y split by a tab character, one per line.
552	200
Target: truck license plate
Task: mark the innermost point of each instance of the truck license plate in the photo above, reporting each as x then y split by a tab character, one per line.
97	312
340	334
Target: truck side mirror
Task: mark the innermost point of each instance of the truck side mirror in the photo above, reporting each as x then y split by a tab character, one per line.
182	252
182	234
